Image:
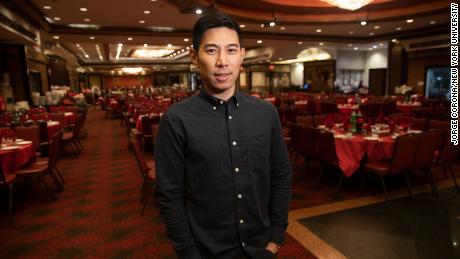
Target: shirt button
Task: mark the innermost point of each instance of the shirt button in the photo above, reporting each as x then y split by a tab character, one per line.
241	221
237	104
240	196
229	117
243	244
221	102
214	108
237	169
234	143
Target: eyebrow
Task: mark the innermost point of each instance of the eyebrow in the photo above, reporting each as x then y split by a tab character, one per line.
215	45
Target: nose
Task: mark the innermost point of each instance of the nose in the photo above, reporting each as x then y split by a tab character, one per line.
221	59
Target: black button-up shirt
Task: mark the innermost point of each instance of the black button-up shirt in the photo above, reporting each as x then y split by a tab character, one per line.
223	175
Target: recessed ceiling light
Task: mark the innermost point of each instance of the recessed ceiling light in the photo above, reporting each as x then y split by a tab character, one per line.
188	47
399	28
377	27
169	45
319	30
153	0
146	45
355	48
92	38
130	38
350	45
371	33
146	12
198	11
56	37
432	22
242	25
86	56
259	41
283	28
394	40
47	7
120	44
381	44
410	20
83	9
375	46
87	19
280	58
321	44
272	24
57	18
78	45
299	42
363	23
262	25
141	21
351	32
371	48
186	39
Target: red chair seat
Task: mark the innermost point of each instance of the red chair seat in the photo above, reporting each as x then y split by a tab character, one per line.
35	168
377	167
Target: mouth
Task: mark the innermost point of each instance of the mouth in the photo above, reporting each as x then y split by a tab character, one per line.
222	77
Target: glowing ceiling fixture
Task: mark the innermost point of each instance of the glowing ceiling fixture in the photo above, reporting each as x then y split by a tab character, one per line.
198	11
132	70
151	53
348	4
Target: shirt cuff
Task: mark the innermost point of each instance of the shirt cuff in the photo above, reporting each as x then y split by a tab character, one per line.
190	252
277	235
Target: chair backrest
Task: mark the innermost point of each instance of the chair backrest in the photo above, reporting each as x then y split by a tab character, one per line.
140	158
325	144
418	123
43	132
58	117
448	152
307	141
147	123
55	149
31	133
77	126
404	153
319	119
436	124
155	128
429	142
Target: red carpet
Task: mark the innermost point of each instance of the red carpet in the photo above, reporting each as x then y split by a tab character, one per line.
98	214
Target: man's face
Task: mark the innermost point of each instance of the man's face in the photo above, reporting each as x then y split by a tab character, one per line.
219	59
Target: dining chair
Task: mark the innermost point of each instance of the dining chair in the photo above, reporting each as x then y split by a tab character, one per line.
438	124
418	123
147	122
400	163
31	133
304	120
325	145
8	180
448	155
430	141
148	175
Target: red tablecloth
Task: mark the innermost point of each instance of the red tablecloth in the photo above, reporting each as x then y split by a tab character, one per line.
14	159
139	126
114	105
347	108
350	151
407	108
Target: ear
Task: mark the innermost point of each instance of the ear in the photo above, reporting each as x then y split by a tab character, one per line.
243	53
194	57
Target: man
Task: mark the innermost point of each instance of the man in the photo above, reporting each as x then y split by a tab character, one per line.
223	173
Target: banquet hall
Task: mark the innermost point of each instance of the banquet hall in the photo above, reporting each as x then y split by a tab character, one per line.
363	90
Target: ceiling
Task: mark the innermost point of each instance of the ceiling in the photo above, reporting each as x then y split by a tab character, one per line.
153	24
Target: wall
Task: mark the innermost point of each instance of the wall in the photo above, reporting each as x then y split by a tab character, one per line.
297	74
127	81
351	59
374	59
40	67
418	61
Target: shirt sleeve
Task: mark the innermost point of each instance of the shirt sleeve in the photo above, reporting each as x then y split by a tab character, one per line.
280	182
170	186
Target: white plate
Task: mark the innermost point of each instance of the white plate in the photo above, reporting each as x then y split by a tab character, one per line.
9	148
414	131
19	140
24	142
340	136
372	138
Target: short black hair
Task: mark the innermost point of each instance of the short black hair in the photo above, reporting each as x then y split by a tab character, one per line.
210	21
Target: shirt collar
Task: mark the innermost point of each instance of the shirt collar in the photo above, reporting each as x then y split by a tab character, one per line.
235	99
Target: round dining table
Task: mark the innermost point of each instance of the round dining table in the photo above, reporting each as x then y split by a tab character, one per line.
351	150
14	157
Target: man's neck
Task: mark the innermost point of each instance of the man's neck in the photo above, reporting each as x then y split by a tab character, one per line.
225	95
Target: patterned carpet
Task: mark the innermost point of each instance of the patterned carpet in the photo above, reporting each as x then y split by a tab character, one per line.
98	214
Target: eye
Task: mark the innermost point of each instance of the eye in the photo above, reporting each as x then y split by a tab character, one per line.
211	51
232	51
